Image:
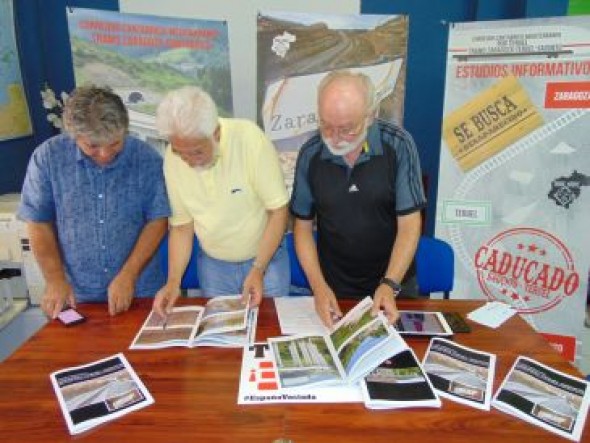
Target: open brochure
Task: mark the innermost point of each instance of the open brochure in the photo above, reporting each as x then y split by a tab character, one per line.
98	392
399	382
259	383
545	397
224	321
460	373
357	345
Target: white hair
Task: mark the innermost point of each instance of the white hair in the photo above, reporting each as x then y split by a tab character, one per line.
187	112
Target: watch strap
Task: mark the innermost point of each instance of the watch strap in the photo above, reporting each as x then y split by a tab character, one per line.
395	286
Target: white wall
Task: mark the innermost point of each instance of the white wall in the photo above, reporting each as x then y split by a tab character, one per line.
241	18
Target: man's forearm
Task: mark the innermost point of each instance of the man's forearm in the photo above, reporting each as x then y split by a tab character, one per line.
307	252
46	250
149	239
272	236
408	233
180	246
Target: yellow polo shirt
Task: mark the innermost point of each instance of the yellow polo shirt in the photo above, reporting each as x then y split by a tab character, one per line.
227	203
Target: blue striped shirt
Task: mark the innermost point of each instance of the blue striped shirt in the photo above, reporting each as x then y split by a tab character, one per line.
98	212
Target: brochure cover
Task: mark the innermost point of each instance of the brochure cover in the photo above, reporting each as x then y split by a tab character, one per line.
545	397
399	382
98	392
224	321
460	373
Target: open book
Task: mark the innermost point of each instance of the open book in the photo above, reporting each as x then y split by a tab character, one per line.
358	344
545	397
460	373
224	321
98	392
399	382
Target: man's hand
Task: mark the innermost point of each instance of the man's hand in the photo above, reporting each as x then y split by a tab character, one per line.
56	295
253	287
326	305
165	299
120	293
384	299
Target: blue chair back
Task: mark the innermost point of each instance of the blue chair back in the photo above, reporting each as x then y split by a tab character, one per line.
190	279
435	266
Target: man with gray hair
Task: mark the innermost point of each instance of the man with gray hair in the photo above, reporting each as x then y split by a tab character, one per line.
225	185
96	208
360	179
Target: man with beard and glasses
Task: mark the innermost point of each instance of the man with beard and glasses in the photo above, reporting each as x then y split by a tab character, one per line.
225	185
359	178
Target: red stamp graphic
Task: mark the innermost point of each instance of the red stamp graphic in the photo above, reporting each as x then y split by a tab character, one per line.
527	268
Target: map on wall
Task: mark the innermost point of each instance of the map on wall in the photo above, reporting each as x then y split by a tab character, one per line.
142	57
14	112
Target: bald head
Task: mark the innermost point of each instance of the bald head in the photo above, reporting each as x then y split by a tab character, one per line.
343	94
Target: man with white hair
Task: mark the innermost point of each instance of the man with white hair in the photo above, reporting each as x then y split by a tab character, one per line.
360	179
225	185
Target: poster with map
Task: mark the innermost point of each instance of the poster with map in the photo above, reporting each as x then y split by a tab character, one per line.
14	112
142	57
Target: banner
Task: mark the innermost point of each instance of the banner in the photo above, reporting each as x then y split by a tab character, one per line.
514	183
142	57
14	112
296	50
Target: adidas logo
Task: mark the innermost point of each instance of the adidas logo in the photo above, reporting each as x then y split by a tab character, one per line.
353	188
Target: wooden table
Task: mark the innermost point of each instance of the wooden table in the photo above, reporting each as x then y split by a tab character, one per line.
196	389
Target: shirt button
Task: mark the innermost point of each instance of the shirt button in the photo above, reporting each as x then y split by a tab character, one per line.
106	270
101	221
103	247
99	195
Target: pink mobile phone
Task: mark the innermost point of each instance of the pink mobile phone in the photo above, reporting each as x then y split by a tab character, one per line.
70	317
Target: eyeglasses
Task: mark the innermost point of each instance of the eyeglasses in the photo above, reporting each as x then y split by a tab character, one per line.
343	132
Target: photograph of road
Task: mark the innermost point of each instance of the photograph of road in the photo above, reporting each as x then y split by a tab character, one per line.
552	405
371	336
353	321
304	361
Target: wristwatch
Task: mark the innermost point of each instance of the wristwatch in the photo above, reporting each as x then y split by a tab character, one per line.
395	286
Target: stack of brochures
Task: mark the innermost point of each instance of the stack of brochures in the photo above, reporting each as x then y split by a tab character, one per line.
98	392
224	321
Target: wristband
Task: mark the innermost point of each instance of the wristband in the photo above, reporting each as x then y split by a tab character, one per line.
395	286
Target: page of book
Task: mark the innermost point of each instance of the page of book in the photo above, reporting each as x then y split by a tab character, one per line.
545	397
98	392
358	343
223	321
460	373
259	383
399	382
297	315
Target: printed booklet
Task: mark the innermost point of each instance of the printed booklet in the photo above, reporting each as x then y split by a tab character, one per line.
259	383
356	346
399	382
98	392
460	373
224	321
545	397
